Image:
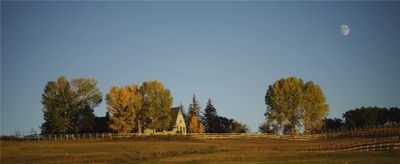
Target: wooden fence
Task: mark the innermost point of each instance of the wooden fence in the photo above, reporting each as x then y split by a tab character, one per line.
371	144
219	136
202	136
384	131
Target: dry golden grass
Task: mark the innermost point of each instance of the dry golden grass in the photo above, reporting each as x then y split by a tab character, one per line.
186	151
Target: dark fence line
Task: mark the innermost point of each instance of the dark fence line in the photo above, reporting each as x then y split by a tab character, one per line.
372	144
202	136
381	131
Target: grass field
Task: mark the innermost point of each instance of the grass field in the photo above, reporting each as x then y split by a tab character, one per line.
184	151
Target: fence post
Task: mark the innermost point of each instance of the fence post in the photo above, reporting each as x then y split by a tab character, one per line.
110	135
90	136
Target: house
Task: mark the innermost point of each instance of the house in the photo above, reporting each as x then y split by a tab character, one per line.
178	122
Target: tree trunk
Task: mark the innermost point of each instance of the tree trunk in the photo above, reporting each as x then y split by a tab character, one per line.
139	128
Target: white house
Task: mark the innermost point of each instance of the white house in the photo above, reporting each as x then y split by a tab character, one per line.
178	122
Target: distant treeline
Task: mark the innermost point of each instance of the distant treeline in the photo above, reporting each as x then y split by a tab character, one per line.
68	107
364	117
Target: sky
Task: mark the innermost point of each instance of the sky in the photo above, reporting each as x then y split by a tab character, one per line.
229	52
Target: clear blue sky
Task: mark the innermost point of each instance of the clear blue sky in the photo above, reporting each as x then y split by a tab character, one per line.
227	51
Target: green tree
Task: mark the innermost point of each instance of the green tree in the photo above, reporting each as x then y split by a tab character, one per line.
369	116
265	127
291	103
333	124
210	118
68	106
315	107
238	127
156	109
122	106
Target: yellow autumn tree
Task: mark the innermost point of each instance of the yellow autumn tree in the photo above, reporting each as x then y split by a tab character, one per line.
122	104
201	128
193	124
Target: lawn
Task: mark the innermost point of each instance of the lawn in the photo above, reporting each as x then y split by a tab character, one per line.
183	151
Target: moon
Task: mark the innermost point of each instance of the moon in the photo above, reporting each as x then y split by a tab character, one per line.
345	30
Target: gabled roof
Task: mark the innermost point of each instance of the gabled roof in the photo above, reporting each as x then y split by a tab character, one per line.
175	112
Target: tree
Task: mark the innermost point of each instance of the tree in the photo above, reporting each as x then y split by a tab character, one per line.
333	124
193	126
238	127
68	106
315	107
394	115
368	116
290	101
265	127
122	106
156	109
196	126
225	125
194	110
201	128
210	118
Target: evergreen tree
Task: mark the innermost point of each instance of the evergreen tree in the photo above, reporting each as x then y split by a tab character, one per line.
194	110
210	118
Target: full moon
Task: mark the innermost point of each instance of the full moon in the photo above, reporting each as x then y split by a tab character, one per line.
344	29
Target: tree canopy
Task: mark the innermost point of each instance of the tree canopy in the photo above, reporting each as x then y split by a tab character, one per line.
194	112
368	116
157	103
210	118
131	107
68	105
291	103
218	124
123	103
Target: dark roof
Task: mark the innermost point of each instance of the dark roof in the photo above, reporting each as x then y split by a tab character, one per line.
175	112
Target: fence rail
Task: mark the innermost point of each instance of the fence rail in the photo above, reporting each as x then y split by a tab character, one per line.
372	144
202	136
385	131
